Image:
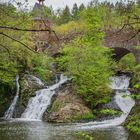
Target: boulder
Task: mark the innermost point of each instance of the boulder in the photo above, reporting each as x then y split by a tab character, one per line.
68	107
28	85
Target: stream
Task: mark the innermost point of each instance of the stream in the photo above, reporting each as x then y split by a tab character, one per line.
31	127
22	130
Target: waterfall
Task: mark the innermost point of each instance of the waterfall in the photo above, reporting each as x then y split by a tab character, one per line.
9	113
123	99
37	105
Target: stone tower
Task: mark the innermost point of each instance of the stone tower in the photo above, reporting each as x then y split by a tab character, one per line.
43	40
41	1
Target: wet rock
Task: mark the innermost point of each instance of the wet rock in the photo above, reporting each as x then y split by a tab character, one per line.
28	85
34	81
112	105
67	107
19	109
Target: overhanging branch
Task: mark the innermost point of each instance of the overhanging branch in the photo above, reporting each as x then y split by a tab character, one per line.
30	30
27	30
17	41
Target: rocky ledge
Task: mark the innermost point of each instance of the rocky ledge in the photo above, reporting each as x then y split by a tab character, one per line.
68	107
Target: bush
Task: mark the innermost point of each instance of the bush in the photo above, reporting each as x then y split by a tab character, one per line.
127	63
134	126
41	66
90	69
111	112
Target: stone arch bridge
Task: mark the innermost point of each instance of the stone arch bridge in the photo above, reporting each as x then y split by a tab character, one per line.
123	43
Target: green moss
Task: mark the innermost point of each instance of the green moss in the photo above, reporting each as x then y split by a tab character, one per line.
24	91
111	112
85	136
56	105
86	116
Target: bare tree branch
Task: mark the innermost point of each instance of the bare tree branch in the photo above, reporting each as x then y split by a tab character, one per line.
17	41
30	30
27	30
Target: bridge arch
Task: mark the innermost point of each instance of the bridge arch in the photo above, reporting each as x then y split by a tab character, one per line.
120	52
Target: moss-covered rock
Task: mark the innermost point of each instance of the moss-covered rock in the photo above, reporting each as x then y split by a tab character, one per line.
28	85
68	107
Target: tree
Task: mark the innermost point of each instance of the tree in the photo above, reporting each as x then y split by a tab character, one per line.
75	11
138	3
120	7
84	58
16	46
65	16
81	7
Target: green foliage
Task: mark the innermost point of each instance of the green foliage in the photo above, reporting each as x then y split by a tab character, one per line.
41	66
70	27
136	96
65	16
86	116
56	105
81	8
110	112
90	68
88	62
85	136
127	63
75	11
134	126
85	64
14	56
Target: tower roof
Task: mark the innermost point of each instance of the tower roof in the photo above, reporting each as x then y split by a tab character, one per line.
41	1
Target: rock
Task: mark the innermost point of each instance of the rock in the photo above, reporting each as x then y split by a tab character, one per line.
112	105
69	113
19	109
28	85
34	81
68	107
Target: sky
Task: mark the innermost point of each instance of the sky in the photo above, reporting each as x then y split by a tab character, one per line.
57	3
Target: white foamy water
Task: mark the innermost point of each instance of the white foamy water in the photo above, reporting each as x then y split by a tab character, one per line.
123	100
37	105
9	113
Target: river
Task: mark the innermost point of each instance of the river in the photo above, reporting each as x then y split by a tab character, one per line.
20	130
31	127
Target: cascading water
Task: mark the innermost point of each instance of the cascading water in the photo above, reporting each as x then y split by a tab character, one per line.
38	104
123	99
9	113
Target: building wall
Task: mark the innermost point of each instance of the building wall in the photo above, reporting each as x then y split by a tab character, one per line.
44	40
